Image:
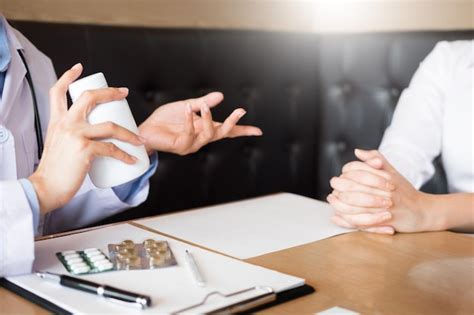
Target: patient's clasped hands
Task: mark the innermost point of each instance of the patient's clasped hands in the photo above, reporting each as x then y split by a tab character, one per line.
371	195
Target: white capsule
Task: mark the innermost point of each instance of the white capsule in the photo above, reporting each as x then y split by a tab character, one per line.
78	265
106	266
89	250
94	254
81	270
71	256
74	261
100	262
68	252
96	258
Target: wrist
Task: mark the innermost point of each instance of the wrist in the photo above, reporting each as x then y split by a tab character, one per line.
41	193
149	150
432	218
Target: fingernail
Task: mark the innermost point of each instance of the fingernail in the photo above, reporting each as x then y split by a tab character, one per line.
259	132
385	216
123	90
329	197
241	113
189	110
77	66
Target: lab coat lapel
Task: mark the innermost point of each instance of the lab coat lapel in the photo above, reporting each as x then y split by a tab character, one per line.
15	76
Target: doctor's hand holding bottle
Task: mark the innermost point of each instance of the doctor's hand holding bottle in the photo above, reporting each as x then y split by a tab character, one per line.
72	143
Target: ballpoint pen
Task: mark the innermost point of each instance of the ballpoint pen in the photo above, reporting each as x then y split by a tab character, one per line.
108	292
194	270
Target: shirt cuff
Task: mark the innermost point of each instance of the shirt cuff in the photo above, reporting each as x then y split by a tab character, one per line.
32	200
127	191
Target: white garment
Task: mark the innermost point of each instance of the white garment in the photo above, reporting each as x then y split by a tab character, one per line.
435	116
18	157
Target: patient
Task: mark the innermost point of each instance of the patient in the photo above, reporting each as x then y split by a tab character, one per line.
434	117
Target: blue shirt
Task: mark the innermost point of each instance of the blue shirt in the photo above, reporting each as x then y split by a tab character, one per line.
5	56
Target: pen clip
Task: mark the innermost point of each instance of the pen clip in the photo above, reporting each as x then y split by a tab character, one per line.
124	303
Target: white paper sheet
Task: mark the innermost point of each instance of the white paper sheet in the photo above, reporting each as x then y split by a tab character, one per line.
171	288
252	227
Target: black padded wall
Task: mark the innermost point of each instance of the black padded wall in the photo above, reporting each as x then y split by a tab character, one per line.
316	97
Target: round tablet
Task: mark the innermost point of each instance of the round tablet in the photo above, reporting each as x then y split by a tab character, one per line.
156	261
74	260
128	244
149	242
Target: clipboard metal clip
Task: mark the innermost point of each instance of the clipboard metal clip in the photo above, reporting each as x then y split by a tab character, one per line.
267	296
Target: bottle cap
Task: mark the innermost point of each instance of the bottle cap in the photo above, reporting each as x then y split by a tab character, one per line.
92	82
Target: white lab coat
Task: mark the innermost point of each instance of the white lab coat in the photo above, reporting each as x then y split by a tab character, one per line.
18	157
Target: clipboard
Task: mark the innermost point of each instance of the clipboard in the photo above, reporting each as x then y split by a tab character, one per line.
168	298
255	304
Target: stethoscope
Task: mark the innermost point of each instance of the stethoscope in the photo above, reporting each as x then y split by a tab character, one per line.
39	132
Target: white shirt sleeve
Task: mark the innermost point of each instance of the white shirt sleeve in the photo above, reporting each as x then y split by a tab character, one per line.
16	230
414	138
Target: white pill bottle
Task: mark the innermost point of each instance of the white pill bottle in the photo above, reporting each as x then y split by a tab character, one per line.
108	172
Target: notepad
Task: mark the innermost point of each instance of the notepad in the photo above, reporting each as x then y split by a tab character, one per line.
252	227
170	288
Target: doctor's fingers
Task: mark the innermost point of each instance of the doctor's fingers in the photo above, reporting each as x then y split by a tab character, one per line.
346	184
211	100
226	127
360	199
369	179
91	98
111	130
57	94
183	144
208	130
96	148
362	166
344	208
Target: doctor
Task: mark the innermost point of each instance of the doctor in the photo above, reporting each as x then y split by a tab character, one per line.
53	193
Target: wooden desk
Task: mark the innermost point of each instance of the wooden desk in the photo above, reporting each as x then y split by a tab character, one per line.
425	273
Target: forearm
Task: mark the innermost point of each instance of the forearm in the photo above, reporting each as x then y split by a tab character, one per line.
449	212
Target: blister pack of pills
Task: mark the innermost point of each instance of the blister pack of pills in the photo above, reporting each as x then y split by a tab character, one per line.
86	261
150	254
